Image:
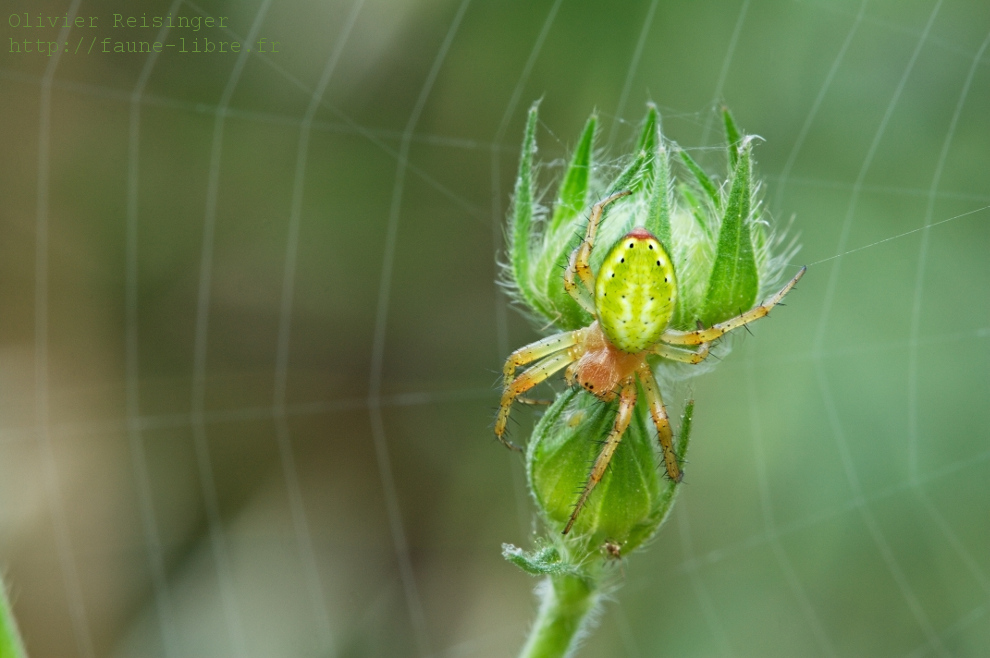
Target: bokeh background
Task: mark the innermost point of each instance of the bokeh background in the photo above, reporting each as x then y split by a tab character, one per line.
250	331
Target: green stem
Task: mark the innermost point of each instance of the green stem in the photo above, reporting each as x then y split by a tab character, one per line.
11	645
567	600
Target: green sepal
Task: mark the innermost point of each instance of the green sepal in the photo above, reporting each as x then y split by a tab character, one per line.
639	171
540	280
649	134
661	198
563	233
734	282
685	438
732	138
697	210
572	197
545	560
632	499
648	143
521	222
631	177
704	181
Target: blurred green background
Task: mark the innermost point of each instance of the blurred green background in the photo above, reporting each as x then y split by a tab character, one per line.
250	340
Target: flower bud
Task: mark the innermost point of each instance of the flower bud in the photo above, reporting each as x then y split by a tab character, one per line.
632	499
725	258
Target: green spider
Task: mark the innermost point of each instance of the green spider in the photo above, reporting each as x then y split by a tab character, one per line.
633	298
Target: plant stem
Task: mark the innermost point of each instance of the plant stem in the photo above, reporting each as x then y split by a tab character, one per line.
11	645
567	600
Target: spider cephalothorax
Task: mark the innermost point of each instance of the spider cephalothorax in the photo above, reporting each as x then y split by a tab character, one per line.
632	298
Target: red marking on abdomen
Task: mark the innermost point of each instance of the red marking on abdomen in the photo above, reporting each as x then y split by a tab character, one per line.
640	233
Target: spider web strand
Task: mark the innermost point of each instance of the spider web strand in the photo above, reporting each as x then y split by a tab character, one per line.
63	539
497	217
723	74
701	593
913	382
838	434
211	503
401	544
769	520
631	72
139	464
283	437
819	99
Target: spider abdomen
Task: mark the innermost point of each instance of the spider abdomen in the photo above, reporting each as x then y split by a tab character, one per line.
635	292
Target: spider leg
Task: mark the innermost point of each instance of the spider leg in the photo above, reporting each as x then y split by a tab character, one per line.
570	374
627	402
659	415
684	356
523	383
580	262
534	401
580	293
537	350
716	330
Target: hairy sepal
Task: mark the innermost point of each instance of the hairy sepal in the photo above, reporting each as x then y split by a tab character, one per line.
562	234
735	281
522	218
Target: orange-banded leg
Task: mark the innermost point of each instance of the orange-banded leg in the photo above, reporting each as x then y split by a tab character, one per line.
627	402
523	383
580	262
684	356
716	330
659	415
